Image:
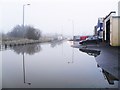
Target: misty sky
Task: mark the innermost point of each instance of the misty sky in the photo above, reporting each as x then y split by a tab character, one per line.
55	16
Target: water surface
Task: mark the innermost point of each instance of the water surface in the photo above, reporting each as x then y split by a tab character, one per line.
51	65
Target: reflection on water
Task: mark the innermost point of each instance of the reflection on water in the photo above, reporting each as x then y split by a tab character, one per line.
24	71
72	60
91	52
110	78
56	42
28	49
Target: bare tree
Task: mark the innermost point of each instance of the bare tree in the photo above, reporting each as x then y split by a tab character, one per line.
17	31
32	33
28	32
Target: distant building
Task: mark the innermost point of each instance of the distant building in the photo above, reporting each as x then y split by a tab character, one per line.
100	27
76	38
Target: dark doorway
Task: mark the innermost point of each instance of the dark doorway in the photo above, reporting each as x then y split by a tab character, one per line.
108	31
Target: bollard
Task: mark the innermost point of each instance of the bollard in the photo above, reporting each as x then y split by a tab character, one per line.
10	45
14	44
5	46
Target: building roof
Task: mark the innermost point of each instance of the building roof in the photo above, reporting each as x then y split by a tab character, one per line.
109	14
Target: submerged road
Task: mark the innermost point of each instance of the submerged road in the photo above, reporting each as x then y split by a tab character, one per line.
107	58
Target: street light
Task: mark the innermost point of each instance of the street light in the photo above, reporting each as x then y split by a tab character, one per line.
24	12
23	52
72	27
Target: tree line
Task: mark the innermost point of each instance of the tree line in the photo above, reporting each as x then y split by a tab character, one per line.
29	32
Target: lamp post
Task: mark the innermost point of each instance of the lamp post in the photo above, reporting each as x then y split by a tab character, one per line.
24	13
23	52
72	27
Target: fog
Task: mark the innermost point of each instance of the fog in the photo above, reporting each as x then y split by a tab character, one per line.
68	17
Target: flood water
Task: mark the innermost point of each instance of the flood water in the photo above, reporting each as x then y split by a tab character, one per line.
51	65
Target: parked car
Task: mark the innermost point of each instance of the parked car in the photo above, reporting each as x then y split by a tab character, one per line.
83	37
91	40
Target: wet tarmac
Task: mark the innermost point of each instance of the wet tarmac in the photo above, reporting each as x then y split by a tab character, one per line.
107	58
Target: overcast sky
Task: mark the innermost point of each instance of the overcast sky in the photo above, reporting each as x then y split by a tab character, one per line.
56	16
